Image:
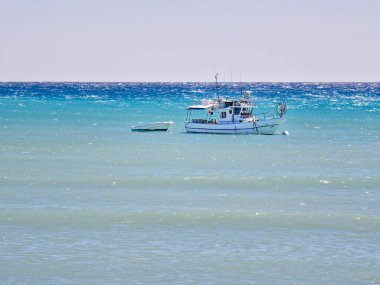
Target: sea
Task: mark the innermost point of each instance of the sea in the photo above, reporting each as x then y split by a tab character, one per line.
83	200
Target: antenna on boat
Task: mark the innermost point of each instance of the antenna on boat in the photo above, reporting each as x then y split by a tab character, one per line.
241	85
216	86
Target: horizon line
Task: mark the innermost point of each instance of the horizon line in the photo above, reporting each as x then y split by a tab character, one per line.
112	81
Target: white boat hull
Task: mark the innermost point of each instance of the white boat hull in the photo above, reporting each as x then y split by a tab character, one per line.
265	127
157	126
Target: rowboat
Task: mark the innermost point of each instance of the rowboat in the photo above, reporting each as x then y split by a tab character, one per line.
155	126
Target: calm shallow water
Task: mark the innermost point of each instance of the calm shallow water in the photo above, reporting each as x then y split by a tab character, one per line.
84	200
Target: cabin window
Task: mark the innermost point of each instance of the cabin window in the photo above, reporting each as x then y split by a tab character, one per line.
223	115
230	111
236	111
245	111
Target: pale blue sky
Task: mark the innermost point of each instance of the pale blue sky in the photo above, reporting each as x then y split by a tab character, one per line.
167	40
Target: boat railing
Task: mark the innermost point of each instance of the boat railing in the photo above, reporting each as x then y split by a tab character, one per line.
266	116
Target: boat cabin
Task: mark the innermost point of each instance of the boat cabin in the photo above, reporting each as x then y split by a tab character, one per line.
233	112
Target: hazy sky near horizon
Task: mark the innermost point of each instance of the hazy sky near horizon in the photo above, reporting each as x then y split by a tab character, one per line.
173	40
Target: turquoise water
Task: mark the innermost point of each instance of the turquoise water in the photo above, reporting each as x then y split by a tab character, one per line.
86	201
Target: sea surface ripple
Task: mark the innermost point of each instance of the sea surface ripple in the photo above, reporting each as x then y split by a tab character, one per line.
85	200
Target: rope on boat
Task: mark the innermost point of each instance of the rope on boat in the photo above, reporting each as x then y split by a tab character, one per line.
255	127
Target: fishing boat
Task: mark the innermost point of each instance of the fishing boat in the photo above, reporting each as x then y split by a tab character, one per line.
156	126
227	116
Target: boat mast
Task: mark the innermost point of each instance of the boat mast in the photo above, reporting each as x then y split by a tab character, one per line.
217	87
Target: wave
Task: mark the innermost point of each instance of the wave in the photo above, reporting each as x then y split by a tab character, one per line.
208	182
209	218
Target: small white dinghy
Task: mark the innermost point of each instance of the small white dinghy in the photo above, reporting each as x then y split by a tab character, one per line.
156	126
